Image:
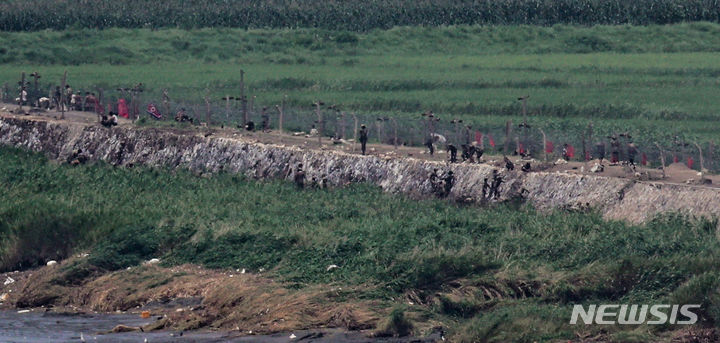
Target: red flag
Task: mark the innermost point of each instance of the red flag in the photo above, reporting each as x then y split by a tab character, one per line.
675	159
549	147
478	137
690	162
123	109
491	140
643	160
570	151
152	110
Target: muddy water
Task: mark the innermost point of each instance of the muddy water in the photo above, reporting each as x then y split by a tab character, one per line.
42	327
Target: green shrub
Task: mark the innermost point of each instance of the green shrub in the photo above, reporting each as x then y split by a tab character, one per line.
396	325
36	230
703	289
131	245
346	37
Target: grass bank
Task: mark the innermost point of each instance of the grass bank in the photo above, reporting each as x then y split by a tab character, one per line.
500	273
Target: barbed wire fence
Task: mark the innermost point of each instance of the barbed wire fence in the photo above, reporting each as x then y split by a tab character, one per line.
541	142
413	132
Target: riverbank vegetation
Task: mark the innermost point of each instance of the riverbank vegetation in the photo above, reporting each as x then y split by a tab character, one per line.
500	273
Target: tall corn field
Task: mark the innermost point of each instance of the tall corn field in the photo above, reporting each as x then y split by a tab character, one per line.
18	15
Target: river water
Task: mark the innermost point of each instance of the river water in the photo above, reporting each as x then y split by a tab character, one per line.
43	327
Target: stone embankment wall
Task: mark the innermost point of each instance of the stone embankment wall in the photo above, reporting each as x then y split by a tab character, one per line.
616	198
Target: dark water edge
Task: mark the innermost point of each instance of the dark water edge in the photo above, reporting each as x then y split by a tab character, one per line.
42	327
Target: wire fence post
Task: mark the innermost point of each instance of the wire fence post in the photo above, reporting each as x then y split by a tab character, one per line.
36	88
524	125
243	98
662	159
22	90
319	121
281	109
355	132
166	101
343	125
227	107
702	161
544	145
63	83
508	132
711	154
207	107
395	138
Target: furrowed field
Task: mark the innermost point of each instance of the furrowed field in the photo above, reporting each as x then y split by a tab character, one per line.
503	273
654	82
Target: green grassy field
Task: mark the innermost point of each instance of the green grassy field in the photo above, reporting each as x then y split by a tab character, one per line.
539	264
652	81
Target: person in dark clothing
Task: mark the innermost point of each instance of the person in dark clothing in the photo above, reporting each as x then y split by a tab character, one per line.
465	152
526	167
265	120
471	153
68	95
324	183
508	164
453	153
363	138
600	150
429	145
109	121
182	117
435	182
77	158
615	149
56	98
632	152
299	177
479	152
495	187
448	182
566	152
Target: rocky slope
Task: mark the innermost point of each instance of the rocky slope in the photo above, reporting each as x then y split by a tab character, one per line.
635	201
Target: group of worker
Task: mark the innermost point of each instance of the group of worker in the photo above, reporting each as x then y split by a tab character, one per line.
298	176
491	189
69	100
470	153
441	184
615	150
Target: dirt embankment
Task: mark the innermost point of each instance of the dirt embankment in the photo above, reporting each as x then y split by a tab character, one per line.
188	297
615	198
